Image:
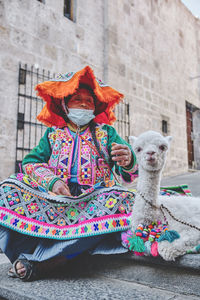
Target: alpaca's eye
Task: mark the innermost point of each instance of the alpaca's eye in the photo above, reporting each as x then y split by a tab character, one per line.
139	149
162	147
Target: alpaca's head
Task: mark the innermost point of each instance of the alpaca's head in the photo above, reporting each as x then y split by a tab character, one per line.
150	149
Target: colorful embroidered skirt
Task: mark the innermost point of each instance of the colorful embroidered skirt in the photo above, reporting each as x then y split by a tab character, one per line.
27	208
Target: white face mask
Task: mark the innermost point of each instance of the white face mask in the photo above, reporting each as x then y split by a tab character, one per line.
80	116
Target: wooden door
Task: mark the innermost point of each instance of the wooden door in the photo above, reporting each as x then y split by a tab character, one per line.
190	145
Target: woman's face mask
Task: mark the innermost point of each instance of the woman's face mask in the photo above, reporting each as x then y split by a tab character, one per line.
80	116
81	107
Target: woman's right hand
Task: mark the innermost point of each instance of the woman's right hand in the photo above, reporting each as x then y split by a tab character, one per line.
60	188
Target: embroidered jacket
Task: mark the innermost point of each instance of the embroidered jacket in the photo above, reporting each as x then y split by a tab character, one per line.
51	160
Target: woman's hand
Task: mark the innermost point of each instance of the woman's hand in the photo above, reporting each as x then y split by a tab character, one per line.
121	154
60	188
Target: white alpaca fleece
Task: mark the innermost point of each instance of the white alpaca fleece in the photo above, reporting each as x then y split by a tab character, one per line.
151	149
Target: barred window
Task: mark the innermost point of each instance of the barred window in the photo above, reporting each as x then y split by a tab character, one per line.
164	127
69	9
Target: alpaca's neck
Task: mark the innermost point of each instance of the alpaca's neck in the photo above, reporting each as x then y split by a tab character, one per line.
149	184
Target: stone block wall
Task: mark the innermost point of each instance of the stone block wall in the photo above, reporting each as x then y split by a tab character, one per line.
145	49
154	48
38	34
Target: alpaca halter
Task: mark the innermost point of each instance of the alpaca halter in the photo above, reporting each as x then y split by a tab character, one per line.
169	212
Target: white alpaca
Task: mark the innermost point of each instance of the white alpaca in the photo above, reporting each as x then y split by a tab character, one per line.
151	149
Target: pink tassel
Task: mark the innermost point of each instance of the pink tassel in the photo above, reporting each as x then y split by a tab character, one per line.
154	249
139	253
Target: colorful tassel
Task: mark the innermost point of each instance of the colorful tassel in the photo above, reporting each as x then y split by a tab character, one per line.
144	241
147	245
169	235
124	237
154	249
136	244
198	248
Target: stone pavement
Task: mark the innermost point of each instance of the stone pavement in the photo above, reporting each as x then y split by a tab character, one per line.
111	277
114	277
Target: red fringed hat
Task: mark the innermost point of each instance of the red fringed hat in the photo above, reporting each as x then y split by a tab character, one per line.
53	91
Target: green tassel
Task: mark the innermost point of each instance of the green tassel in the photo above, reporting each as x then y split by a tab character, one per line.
194	250
198	248
136	244
169	235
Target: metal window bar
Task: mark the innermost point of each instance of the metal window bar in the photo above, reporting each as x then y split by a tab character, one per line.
29	129
122	124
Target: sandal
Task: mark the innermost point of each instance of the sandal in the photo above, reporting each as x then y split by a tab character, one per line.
30	270
11	273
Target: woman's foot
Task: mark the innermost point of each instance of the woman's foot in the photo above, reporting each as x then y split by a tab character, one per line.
19	269
28	270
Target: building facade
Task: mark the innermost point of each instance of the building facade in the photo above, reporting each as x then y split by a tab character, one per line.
148	50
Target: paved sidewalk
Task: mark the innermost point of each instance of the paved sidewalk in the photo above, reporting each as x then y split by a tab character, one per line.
109	278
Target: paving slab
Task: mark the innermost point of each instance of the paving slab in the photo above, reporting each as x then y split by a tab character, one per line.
82	287
108	277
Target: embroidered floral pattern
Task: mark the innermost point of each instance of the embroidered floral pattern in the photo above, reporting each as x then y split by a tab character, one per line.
13	199
101	213
40	218
33	184
62	144
61	222
72	213
20	210
82	204
111	202
33	207
124	195
20	176
27	197
101	198
6	188
91	209
82	219
61	209
48	216
121	208
52	215
29	168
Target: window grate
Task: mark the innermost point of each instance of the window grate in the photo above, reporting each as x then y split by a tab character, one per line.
122	124
29	130
164	127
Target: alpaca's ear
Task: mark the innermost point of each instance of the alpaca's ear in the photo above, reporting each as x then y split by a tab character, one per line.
169	139
132	139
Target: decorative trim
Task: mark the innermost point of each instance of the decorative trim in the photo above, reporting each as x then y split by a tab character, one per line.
103	225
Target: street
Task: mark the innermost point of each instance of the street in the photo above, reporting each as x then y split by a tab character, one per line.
192	179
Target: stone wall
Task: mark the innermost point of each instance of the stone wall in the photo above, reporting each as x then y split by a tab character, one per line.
38	34
145	49
153	50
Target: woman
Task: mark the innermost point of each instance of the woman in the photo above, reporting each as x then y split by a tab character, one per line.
67	200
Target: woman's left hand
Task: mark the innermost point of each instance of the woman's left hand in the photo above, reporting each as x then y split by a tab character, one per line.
121	154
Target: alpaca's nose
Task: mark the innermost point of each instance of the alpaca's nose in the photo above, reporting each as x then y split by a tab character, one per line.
151	152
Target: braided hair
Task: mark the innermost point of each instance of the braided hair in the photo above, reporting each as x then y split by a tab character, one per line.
92	126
